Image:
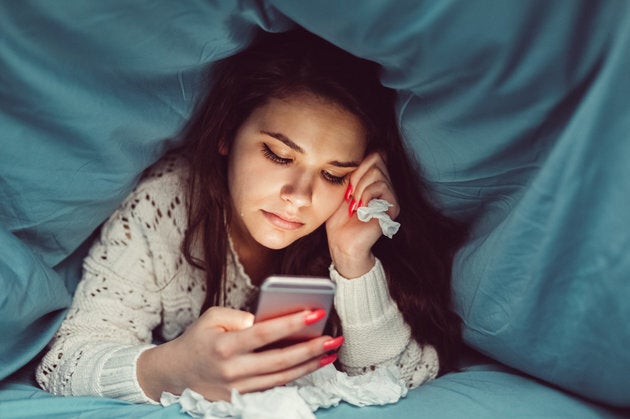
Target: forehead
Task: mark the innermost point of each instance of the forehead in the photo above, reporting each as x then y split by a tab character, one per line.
311	121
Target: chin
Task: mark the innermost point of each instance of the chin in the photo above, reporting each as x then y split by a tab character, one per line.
274	242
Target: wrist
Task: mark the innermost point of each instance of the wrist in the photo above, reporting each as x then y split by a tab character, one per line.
155	374
353	266
146	373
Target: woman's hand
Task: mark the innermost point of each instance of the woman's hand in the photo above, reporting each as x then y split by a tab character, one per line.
218	353
350	240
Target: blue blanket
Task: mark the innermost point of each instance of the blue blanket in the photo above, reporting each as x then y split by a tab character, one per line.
518	112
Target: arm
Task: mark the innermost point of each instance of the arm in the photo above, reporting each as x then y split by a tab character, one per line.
374	329
111	318
375	332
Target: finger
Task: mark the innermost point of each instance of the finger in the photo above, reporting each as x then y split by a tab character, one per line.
374	174
373	165
266	381
269	331
277	360
352	197
370	161
383	157
280	359
381	190
373	184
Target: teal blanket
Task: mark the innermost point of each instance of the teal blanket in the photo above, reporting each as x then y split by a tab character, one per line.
518	112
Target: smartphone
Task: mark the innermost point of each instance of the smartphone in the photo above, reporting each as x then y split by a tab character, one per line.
282	294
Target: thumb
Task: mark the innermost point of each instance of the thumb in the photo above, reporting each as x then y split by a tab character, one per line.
228	319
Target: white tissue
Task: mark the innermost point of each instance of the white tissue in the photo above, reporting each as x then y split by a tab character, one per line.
376	209
324	388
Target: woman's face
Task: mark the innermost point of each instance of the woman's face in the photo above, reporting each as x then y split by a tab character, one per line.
288	168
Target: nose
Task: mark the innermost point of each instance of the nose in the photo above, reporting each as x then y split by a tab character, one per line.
298	190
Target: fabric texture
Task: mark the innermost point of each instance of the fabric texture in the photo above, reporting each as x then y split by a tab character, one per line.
516	111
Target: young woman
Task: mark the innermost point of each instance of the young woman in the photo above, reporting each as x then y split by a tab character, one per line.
294	135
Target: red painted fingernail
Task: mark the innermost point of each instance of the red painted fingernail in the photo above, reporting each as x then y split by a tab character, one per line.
360	204
314	316
348	192
351	207
329	359
332	344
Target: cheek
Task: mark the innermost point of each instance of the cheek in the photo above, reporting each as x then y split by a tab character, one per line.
245	176
329	199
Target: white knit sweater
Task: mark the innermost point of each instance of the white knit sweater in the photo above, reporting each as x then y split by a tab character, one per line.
137	282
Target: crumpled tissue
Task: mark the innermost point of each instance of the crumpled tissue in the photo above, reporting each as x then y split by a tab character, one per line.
323	388
376	209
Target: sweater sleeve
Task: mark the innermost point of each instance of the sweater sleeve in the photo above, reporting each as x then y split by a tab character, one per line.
115	308
375	332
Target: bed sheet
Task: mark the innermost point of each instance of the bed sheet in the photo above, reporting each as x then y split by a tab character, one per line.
482	389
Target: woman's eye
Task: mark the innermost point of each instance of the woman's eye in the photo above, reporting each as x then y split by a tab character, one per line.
337	180
273	156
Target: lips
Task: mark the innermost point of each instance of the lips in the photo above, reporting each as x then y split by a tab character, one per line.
282	221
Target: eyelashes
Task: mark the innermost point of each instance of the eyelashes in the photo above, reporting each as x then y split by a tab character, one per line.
335	180
273	156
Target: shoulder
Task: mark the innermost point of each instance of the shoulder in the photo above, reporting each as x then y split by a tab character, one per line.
155	208
161	192
142	237
167	178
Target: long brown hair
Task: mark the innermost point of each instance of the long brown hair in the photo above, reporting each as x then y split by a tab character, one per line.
417	260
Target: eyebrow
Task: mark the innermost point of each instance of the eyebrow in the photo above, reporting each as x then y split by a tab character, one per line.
292	145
